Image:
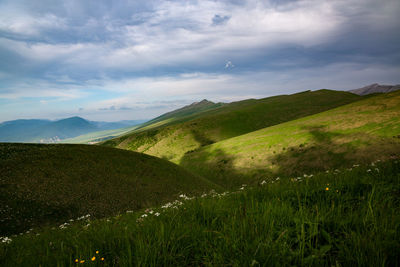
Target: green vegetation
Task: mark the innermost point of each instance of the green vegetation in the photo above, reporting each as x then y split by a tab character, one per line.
340	218
47	184
307	201
359	132
172	137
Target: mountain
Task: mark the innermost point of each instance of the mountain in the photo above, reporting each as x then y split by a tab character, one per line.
171	138
375	88
360	132
42	184
46	131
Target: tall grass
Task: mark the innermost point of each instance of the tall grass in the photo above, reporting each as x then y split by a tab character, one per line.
341	218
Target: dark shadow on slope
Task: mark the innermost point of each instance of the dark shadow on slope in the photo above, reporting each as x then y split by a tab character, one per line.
331	150
217	165
325	150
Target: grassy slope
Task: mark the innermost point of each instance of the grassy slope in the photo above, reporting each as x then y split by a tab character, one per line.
287	223
98	136
173	141
42	184
358	132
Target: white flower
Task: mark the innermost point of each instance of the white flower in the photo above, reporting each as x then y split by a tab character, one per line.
157	214
263	182
5	239
144	215
369	170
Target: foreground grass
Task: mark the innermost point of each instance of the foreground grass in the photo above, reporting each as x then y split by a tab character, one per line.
342	218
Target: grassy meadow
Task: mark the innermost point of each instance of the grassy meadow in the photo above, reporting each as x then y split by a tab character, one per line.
179	135
310	179
342	217
362	131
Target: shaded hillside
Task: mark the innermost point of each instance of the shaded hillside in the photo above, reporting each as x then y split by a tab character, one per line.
237	118
359	132
182	114
42	184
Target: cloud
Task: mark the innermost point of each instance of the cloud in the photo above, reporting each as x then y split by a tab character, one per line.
91	53
220	20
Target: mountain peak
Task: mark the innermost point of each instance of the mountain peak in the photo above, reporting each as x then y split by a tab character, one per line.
375	88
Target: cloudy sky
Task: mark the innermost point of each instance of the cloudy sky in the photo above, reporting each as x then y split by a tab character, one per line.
114	60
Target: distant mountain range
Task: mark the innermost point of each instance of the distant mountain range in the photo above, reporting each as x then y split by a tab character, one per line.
47	131
375	88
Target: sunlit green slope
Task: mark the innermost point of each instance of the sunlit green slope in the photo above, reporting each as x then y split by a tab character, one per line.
358	132
174	140
42	184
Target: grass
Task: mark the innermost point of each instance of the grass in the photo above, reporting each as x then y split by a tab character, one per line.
358	132
172	139
347	217
48	184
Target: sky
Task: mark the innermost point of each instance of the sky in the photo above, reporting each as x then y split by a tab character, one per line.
127	60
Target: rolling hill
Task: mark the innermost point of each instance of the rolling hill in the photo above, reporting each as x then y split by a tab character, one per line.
171	138
48	184
363	131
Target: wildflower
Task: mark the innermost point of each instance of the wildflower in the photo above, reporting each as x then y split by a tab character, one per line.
97	252
76	260
82	261
157	214
144	215
277	178
102	259
369	170
5	239
263	182
242	188
327	189
93	258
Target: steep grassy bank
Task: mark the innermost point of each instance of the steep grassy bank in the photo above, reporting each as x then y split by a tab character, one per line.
47	184
171	140
357	132
347	217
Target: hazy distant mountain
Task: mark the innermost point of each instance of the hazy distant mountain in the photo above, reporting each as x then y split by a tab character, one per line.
375	88
46	131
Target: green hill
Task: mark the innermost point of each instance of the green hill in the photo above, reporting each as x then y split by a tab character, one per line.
359	132
171	141
47	184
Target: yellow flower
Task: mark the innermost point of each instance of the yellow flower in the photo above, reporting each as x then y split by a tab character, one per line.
76	260
102	259
82	261
97	252
327	188
93	258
